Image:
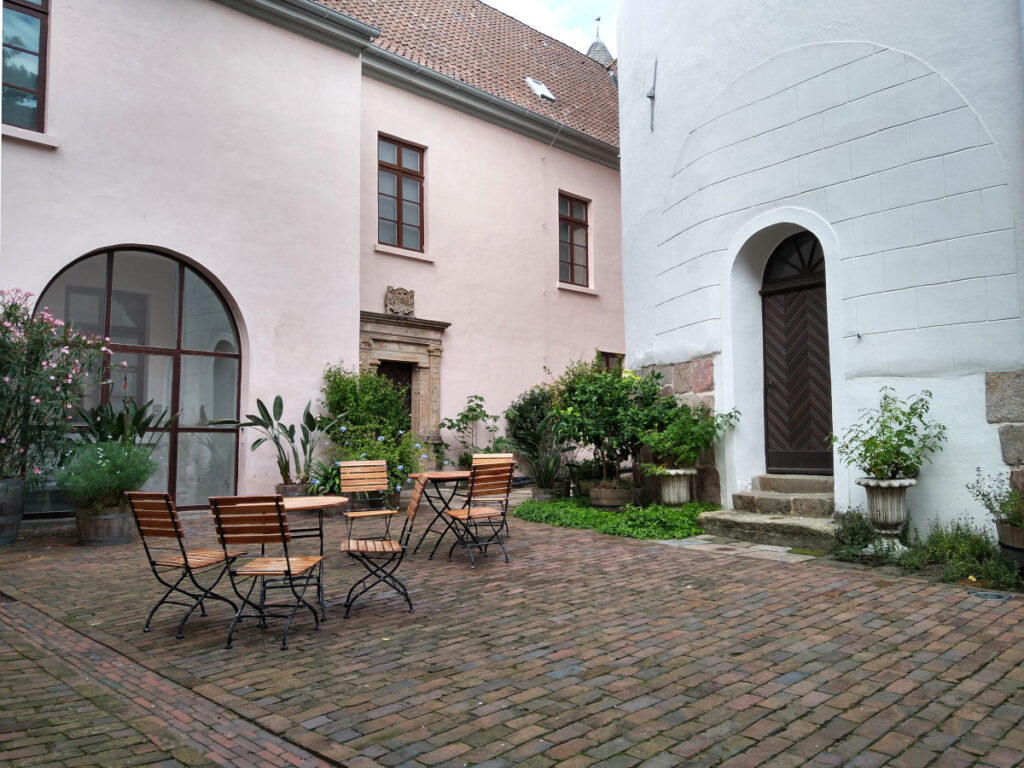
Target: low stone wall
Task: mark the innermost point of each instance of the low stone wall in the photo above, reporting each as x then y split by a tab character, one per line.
1004	405
693	382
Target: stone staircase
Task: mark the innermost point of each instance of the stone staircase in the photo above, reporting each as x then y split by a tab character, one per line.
786	510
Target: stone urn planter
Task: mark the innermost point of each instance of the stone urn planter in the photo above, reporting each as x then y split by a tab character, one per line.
674	486
1011	543
887	504
114	525
12	508
611	497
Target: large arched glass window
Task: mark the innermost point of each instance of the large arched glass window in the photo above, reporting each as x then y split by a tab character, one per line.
173	341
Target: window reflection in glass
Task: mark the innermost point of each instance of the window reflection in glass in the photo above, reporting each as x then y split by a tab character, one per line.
209	389
206	466
144	303
205	322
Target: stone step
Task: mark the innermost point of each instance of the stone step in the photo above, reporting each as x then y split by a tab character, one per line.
780	530
794	483
774	503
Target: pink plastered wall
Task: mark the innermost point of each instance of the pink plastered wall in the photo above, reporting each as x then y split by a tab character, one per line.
490	266
192	128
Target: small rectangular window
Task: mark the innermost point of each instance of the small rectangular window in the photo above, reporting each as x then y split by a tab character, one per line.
399	194
24	72
573	263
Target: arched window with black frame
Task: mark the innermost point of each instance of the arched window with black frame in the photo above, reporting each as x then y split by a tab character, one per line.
174	341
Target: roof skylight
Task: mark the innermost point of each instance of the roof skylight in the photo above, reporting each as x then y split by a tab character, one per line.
540	89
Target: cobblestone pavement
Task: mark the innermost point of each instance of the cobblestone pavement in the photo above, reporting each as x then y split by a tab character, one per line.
584	650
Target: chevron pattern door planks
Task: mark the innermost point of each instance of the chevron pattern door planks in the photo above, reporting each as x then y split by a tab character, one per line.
797	384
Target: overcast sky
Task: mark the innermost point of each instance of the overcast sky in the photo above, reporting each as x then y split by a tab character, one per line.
571	21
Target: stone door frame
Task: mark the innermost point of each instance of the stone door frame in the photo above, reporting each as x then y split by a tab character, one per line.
405	339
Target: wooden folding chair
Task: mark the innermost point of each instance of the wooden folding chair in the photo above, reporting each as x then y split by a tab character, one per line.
481	521
163	539
366	485
492	458
262	520
381	557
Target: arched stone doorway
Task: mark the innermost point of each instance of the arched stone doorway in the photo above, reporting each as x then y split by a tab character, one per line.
174	341
797	380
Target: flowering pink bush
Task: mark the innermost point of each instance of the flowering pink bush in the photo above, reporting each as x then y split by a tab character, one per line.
43	366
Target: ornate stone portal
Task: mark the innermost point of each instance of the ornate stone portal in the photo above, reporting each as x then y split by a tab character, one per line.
401	338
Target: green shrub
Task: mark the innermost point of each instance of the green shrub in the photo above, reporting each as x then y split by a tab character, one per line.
363	401
854	533
1003	503
528	412
465	424
403	452
98	474
370	423
652	522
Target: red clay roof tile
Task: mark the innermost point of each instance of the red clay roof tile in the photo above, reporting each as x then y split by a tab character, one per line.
489	50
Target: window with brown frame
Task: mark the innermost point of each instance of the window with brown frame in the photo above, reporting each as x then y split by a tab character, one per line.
399	194
572	241
612	361
24	73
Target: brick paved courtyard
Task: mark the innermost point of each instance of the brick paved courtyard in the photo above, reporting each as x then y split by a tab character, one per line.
585	650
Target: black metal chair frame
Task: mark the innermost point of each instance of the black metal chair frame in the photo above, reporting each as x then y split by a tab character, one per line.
172	529
297	581
468	530
381	566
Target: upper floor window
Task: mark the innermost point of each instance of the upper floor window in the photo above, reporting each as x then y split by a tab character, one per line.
24	73
572	240
399	194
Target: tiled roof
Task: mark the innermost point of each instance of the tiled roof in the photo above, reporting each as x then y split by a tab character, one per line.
489	50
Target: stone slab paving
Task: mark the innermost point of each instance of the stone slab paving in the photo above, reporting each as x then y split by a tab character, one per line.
584	650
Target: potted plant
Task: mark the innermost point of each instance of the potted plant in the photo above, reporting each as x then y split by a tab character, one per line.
43	366
610	411
890	444
1006	507
542	450
95	479
294	459
678	445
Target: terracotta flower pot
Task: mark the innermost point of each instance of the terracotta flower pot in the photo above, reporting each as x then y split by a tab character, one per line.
114	525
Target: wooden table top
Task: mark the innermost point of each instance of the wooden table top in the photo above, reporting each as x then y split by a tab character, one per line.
439	475
311	503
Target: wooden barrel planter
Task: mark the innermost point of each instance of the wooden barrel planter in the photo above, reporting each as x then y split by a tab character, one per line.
112	526
1011	544
12	508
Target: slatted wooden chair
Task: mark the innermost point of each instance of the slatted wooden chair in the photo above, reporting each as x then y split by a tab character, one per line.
495	458
366	485
172	562
262	520
481	521
492	458
381	557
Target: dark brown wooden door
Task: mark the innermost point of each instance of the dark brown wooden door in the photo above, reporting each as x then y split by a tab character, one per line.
401	374
797	383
